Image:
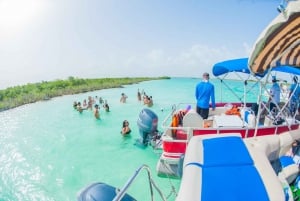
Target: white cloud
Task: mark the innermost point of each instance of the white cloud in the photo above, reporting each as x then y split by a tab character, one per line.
189	62
155	56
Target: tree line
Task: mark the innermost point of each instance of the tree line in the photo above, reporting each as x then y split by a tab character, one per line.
19	95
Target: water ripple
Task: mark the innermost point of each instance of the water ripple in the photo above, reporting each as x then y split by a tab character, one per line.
19	180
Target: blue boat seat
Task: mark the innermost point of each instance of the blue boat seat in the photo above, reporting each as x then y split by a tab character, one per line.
220	167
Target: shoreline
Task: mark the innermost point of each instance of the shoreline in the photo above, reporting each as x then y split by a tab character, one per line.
13	97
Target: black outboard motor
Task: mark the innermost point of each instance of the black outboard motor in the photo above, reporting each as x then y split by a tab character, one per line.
147	124
101	192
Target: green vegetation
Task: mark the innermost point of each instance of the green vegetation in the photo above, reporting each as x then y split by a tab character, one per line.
30	93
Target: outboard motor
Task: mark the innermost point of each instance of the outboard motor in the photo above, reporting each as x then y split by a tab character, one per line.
101	192
147	124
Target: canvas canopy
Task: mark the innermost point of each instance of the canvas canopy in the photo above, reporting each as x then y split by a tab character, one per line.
279	43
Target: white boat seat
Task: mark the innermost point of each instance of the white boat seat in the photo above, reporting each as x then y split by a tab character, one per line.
192	119
269	145
272	184
286	141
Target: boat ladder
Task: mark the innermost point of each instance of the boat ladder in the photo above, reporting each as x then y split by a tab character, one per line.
122	191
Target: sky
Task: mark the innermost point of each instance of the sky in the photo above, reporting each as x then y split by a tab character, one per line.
45	40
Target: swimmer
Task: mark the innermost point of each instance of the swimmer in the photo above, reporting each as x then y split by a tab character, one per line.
125	128
101	100
84	104
123	98
96	112
148	101
75	105
79	108
139	95
106	106
90	102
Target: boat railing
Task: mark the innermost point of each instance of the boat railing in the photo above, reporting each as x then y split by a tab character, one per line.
261	118
152	184
168	118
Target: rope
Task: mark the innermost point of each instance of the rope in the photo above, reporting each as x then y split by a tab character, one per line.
173	189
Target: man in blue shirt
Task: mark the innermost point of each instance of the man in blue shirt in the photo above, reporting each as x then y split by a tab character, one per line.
205	91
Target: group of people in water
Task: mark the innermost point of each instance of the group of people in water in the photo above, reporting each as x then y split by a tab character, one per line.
147	100
93	103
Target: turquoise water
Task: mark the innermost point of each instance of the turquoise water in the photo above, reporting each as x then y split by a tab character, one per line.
49	151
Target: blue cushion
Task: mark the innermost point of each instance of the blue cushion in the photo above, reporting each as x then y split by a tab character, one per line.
286	161
225	151
228	172
233	183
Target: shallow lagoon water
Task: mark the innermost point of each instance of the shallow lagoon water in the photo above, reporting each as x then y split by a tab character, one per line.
49	151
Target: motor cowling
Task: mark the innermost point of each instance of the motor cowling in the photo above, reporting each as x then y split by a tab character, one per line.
147	124
101	192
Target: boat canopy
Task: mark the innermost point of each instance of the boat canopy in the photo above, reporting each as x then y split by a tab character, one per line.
234	65
287	69
279	43
237	67
241	65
